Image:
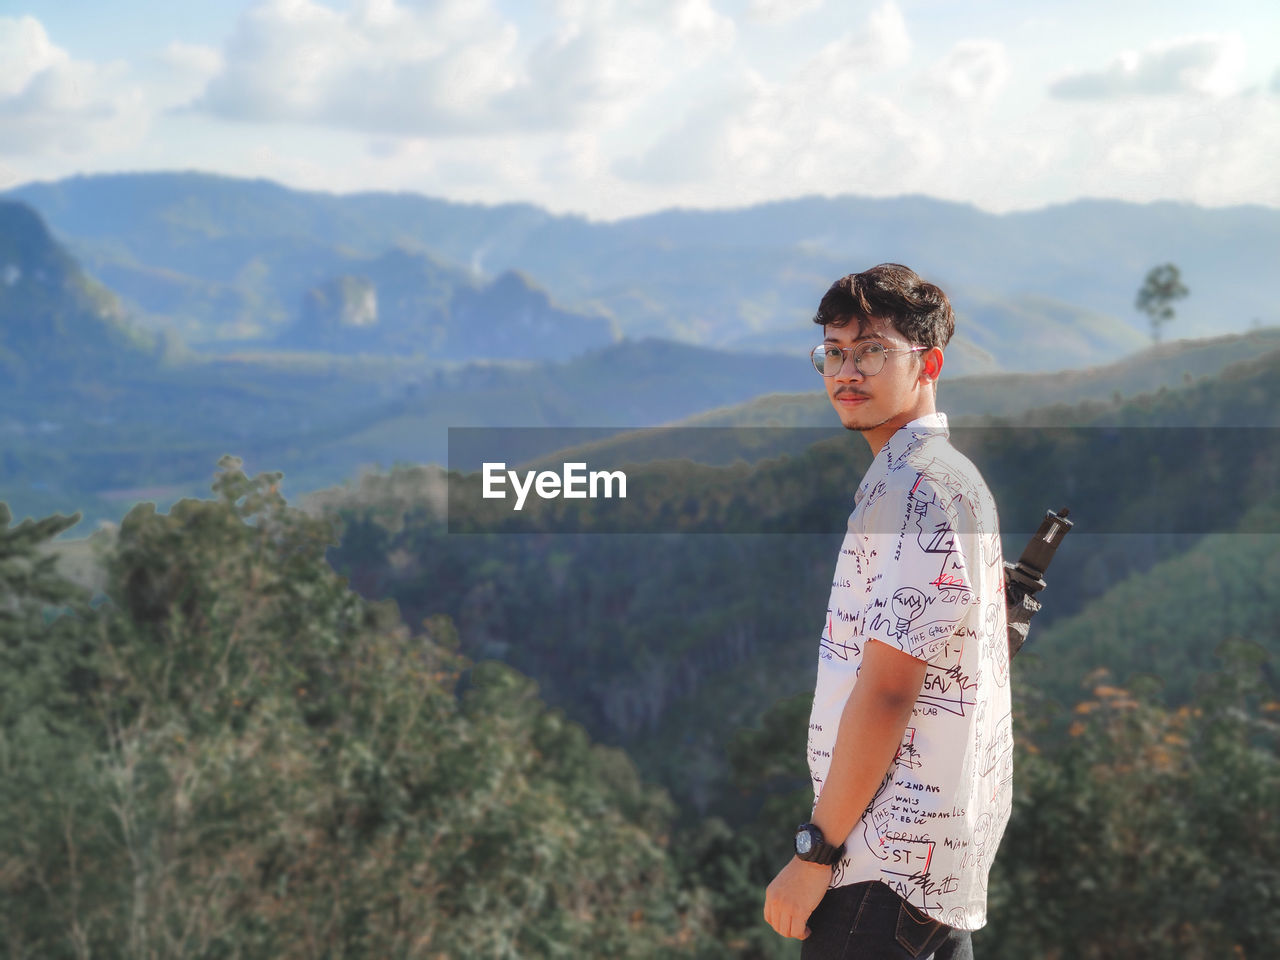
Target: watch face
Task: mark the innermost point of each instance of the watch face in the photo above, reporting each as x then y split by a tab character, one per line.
804	842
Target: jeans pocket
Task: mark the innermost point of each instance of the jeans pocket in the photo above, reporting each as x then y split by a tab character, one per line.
919	934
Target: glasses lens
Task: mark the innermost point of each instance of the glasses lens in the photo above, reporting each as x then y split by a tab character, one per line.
827	359
870	359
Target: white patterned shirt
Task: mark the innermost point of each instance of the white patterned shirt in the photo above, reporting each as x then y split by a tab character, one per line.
921	569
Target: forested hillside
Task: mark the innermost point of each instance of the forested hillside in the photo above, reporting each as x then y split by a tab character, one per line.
1170	365
1130	719
642	631
233	754
230	753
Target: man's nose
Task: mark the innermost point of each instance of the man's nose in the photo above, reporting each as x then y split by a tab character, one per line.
848	369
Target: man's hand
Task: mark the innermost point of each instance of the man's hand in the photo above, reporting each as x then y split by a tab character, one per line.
793	894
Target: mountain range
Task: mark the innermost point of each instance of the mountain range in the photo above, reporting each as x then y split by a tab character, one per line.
218	258
166	319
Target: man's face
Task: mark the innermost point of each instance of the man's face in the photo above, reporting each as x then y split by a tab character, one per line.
867	403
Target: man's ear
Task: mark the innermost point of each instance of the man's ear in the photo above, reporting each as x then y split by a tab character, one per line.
931	364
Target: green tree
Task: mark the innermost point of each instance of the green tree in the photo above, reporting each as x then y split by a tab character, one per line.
1156	824
238	756
1161	287
44	669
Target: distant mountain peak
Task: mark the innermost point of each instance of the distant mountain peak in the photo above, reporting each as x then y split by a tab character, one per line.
27	248
55	322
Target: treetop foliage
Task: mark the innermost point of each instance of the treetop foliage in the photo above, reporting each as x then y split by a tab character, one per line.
1161	286
237	756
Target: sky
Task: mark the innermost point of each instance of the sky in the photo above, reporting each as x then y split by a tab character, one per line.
610	108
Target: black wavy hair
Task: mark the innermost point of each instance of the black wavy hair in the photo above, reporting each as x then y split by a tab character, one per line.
918	310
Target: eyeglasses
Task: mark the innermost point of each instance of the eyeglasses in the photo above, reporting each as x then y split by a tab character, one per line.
868	357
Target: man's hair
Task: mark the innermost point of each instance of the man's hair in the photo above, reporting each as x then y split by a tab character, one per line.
918	310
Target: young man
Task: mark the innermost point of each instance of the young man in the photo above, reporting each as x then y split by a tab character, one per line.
910	744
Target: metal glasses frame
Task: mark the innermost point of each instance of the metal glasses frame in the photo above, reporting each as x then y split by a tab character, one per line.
854	353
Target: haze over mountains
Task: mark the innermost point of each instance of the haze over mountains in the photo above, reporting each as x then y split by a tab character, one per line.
223	258
177	317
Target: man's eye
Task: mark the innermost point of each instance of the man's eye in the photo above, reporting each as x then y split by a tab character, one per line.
870	350
833	352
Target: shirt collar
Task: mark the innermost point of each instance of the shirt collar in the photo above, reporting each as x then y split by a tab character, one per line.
909	436
905	439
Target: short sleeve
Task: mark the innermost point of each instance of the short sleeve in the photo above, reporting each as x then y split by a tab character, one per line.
919	589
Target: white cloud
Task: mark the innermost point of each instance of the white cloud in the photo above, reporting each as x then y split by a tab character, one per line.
25	51
573	159
819	130
836	124
972	71
698	24
193	59
712	134
695	23
882	43
180	72
378	67
51	103
887	42
456	67
1139	150
778	11
1146	149
1208	65
611	107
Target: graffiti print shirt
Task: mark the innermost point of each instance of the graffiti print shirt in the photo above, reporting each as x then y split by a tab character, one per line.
921	569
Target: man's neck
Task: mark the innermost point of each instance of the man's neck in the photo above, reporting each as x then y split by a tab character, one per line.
878	437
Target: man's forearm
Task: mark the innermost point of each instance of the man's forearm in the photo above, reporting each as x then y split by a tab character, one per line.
867	741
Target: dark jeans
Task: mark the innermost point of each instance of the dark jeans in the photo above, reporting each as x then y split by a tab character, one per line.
868	921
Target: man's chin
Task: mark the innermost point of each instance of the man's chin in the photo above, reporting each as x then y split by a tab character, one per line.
861	425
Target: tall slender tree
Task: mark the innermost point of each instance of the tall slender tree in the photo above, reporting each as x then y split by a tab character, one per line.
1162	286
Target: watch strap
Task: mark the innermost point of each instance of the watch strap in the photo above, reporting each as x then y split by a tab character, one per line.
820	851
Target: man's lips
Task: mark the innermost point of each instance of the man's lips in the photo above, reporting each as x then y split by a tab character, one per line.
851	397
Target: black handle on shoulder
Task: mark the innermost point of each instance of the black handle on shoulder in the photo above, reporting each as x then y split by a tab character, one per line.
1024	579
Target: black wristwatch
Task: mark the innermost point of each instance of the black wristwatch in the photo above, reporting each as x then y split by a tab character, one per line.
811	845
